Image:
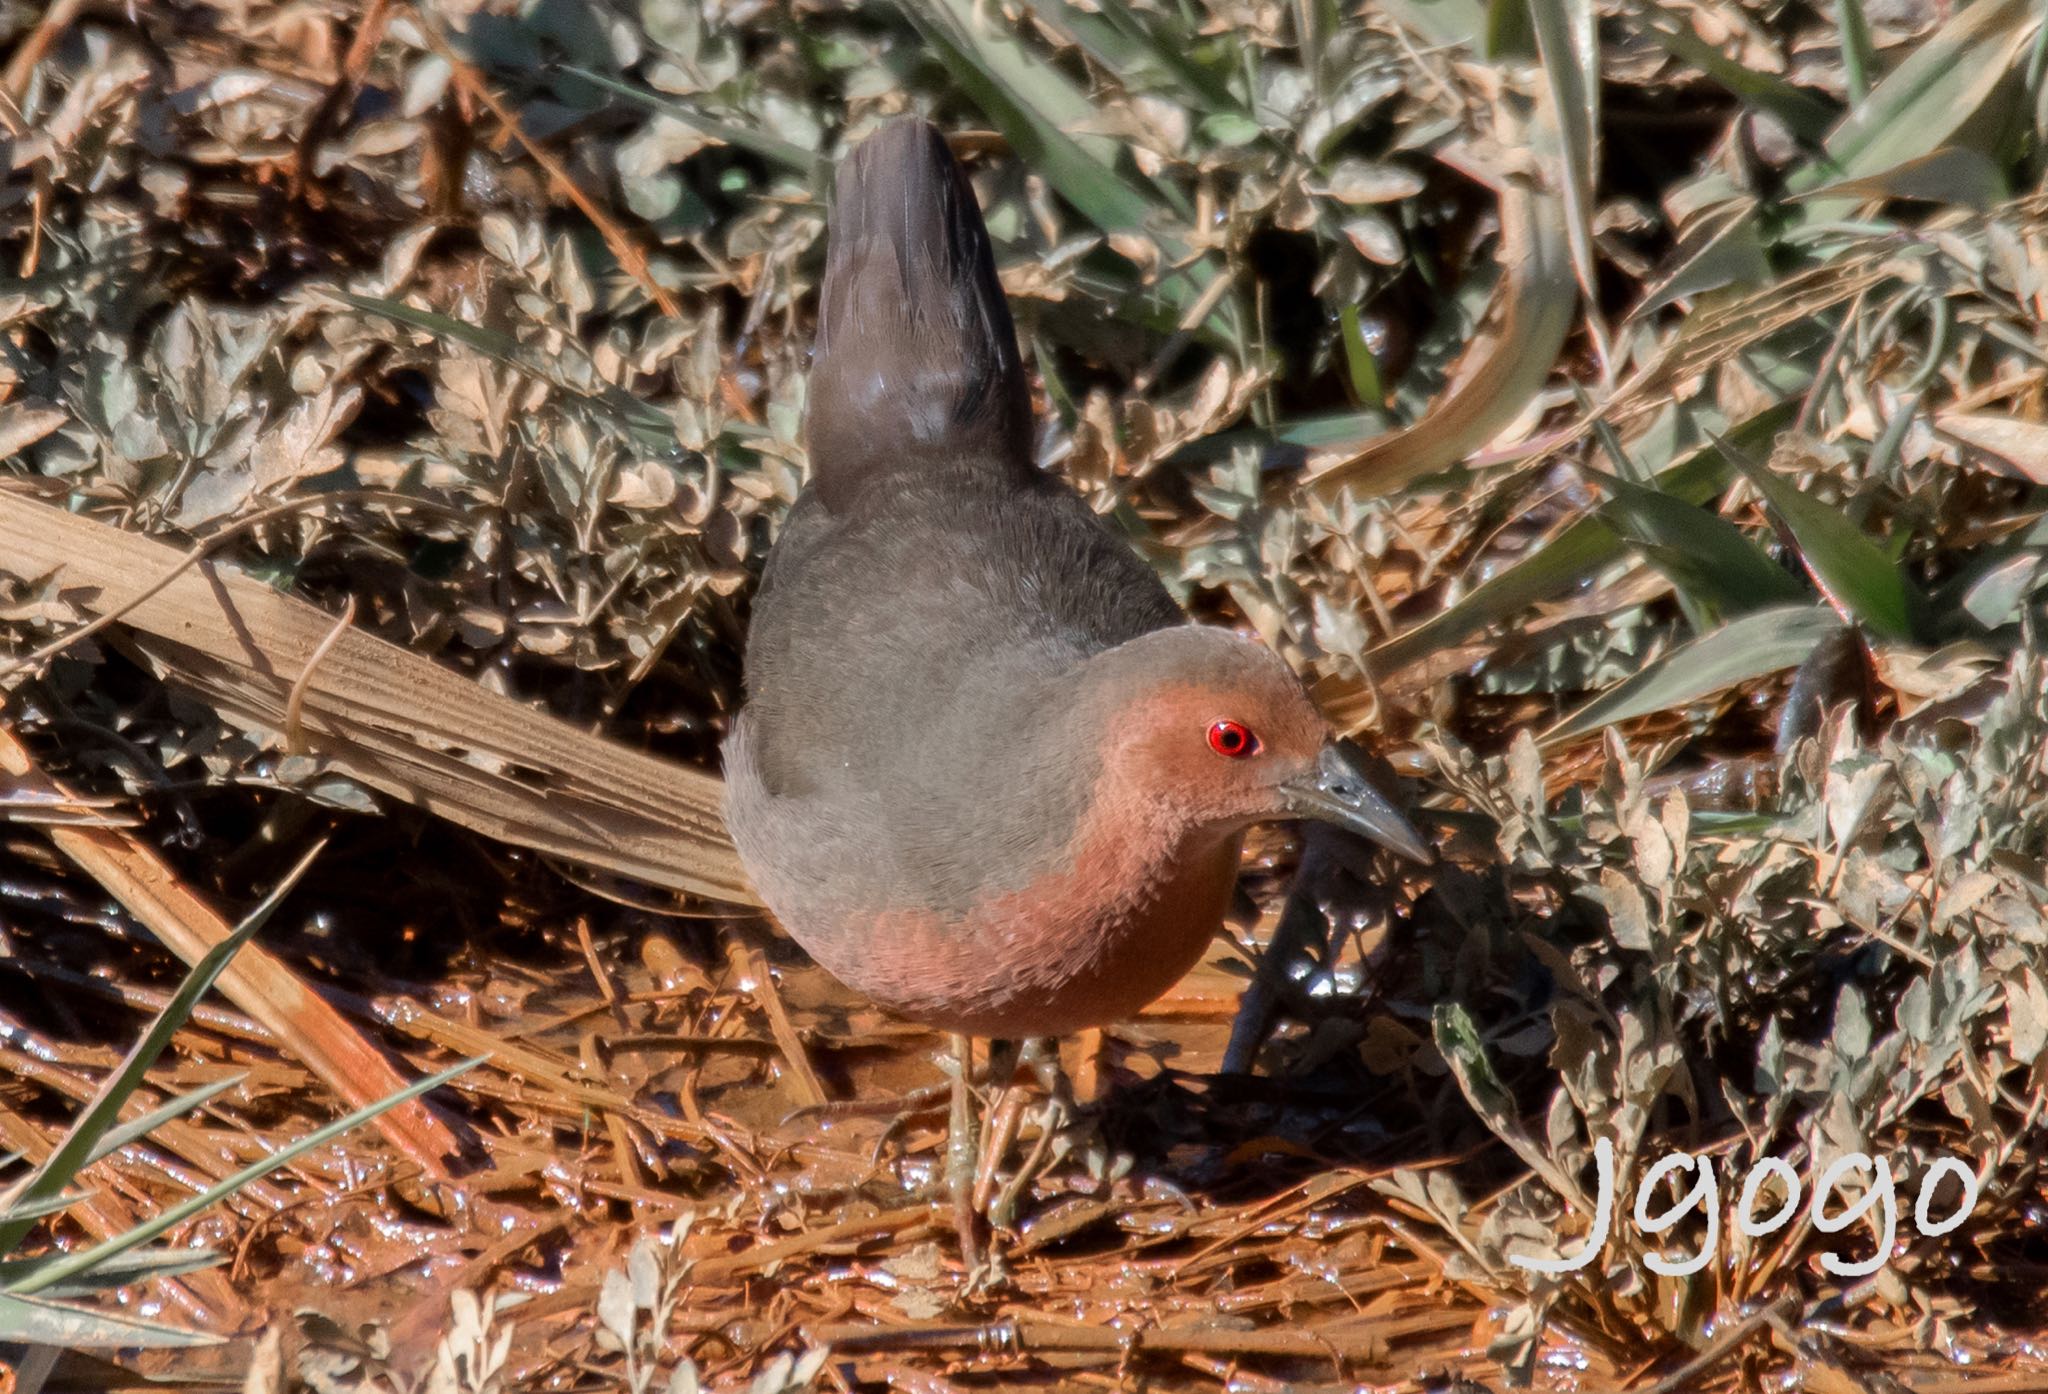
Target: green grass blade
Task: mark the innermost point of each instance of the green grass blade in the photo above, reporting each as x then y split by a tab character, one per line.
1859	58
1707	557
141	1127
35	1210
1101	195
1359	362
1856	575
54	1324
70	1155
794	158
1011	92
1722	247
1574	555
649	427
1122	42
1510	33
1807	114
1954	174
1452	24
136	1267
1767	641
1507	362
1571	67
72	1265
1001	57
1922	102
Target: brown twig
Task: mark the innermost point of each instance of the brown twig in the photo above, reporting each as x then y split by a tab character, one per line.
471	84
257	981
21	67
749	966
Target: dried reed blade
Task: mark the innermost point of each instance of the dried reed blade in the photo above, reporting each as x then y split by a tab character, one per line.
384	716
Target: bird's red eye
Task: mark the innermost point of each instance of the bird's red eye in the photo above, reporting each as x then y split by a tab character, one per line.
1233	739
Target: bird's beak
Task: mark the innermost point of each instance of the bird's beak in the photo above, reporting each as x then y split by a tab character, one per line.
1337	791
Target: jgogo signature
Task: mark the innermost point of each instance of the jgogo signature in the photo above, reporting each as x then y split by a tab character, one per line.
1705	1196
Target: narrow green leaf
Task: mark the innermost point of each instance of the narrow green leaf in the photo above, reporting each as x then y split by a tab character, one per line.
998	50
13	1211
1853	572
776	151
63	1327
1571	69
142	1127
136	1267
1924	101
1722	247
1458	1041
1859	58
1013	91
1805	113
649	426
1123	42
1510	34
1574	555
1449	24
1358	359
1103	197
1954	174
1507	362
85	1261
1462	1048
1766	641
70	1155
1706	556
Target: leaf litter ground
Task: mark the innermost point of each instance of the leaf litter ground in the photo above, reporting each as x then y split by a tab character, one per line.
1633	416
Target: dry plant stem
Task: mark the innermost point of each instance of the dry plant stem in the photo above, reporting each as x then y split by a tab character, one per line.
22	65
1000	1136
472	85
257	981
916	1101
899	1223
383	715
295	704
751	967
1732	1340
1028	1335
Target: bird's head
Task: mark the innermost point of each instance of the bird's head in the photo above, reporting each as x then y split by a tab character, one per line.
1217	732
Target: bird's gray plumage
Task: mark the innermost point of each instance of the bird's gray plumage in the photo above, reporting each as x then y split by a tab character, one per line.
914	641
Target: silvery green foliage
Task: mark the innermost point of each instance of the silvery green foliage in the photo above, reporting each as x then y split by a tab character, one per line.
636	1309
1878	957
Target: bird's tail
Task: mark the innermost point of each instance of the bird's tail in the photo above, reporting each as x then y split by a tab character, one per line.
916	358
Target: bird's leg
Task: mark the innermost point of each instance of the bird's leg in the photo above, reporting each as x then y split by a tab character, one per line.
962	1154
1042	1055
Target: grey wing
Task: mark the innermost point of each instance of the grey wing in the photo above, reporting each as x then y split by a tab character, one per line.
871	630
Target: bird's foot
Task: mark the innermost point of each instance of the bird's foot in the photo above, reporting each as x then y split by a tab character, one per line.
1055	1139
1063	1129
984	1196
987	1277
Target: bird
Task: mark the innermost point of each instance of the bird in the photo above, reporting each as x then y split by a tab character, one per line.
987	772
